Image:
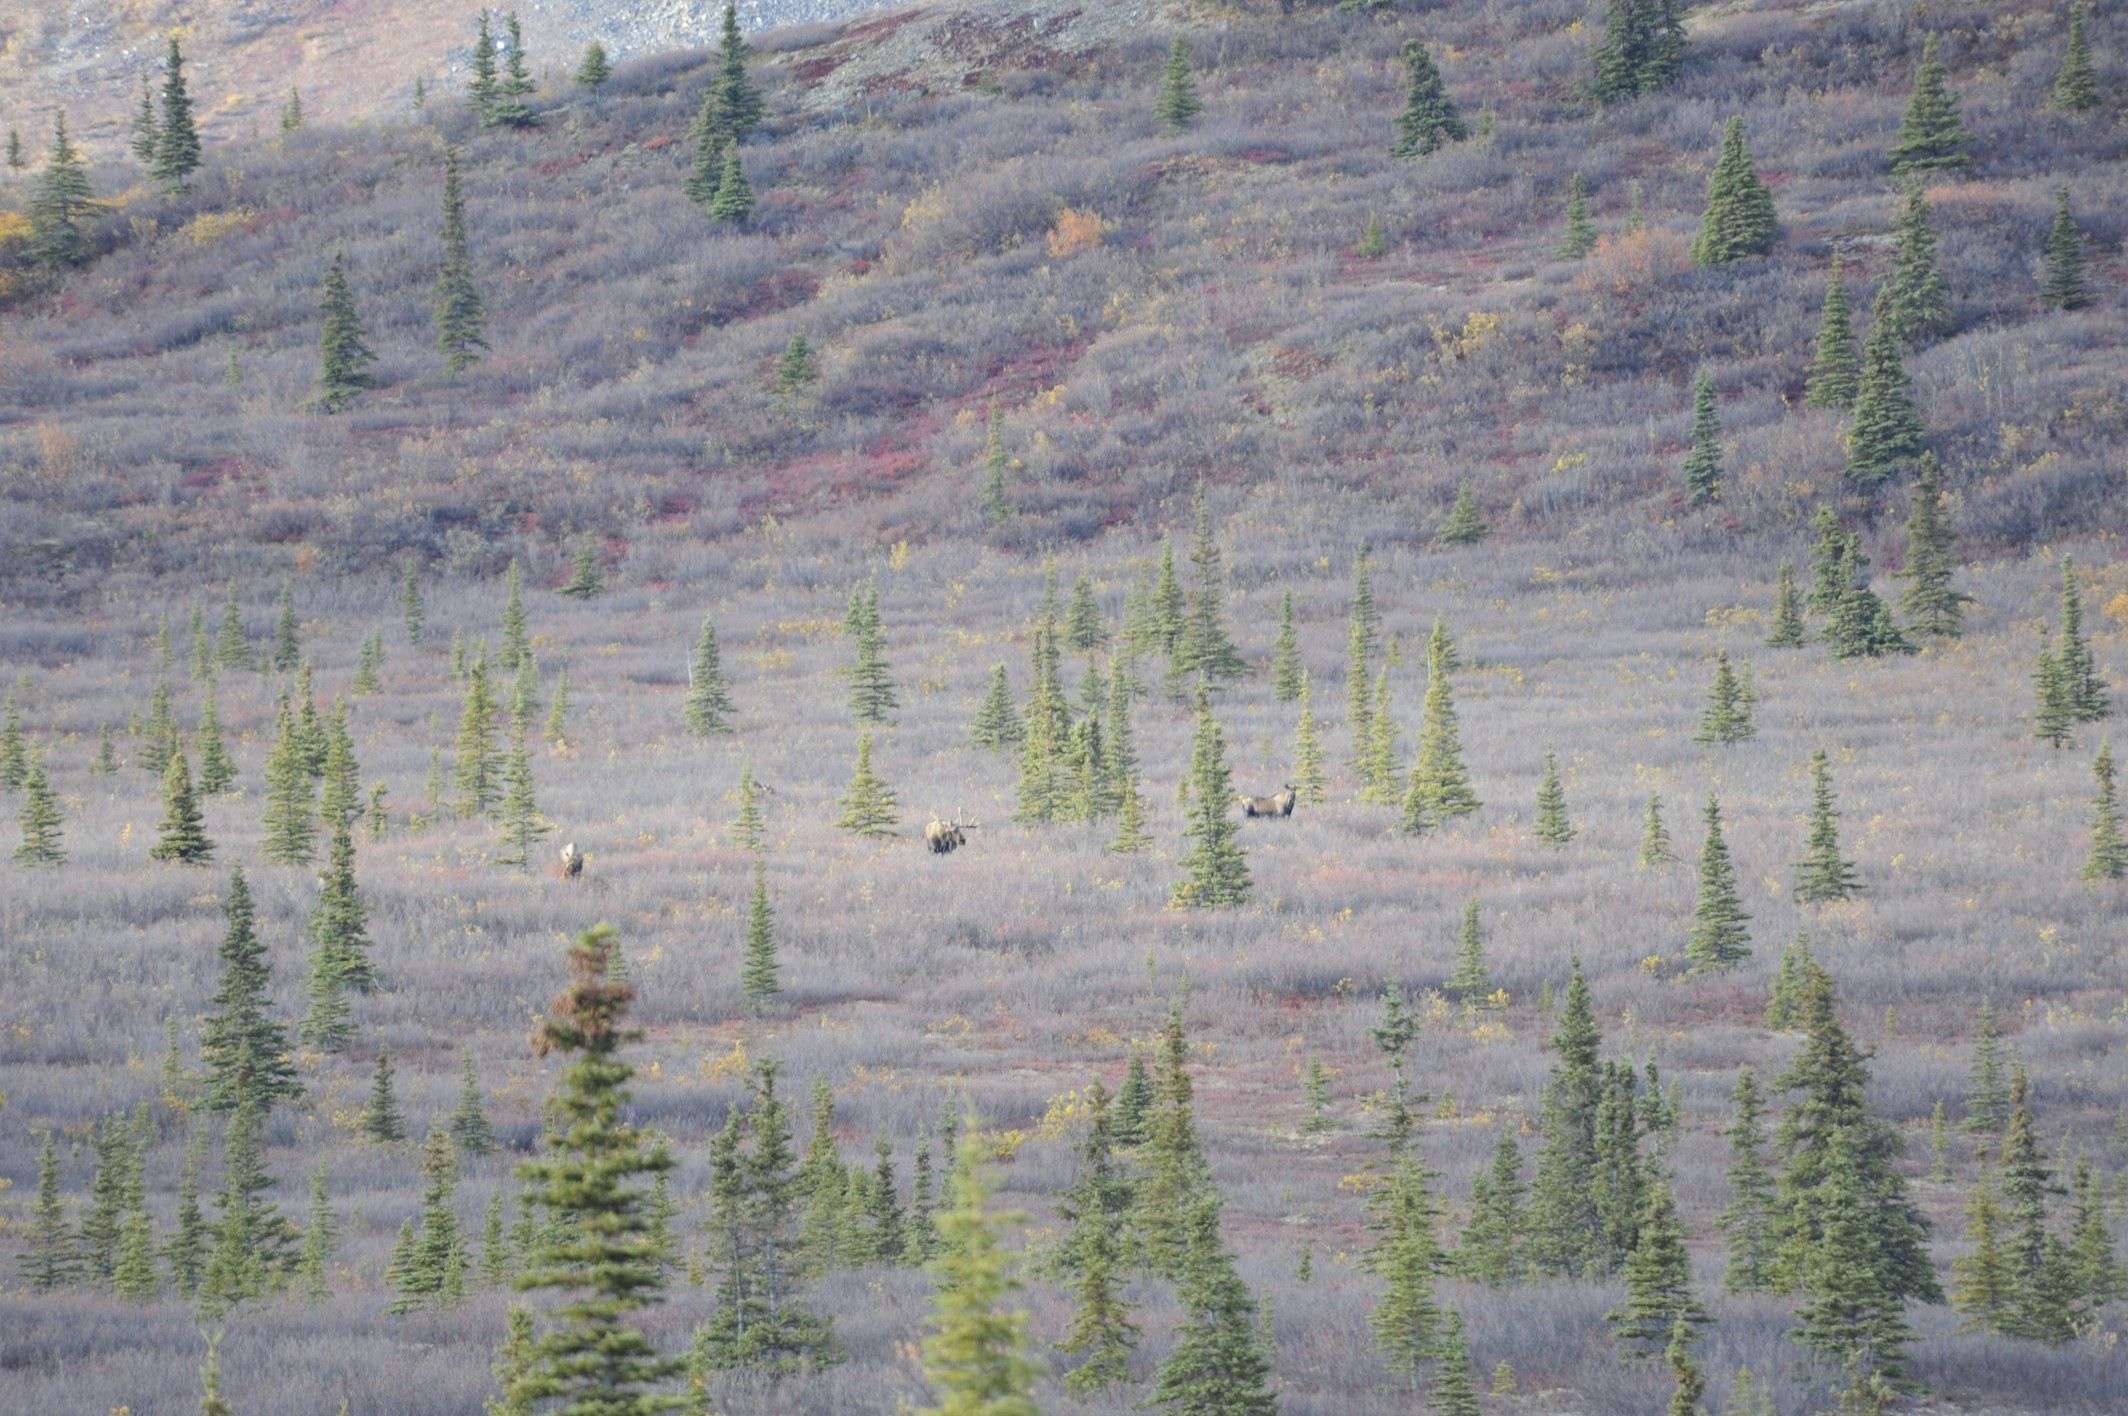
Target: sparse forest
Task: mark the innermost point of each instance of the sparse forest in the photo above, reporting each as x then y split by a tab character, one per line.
1296	707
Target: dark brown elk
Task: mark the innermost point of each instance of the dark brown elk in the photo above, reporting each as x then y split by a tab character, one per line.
1280	805
572	861
945	837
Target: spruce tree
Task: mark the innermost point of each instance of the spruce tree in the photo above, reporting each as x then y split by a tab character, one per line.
217	770
1987	1105
292	111
411	610
1719	939
2108	859
1703	464
290	825
43	841
177	144
872	695
1690	1384
733	201
1739	221
1983	1281
1083	630
1285	654
1552	826
520	827
1565	1235
1123	788
1429	120
758	980
476	775
2099	1274
470	1130
344	356
1439	789
14	754
1886	433
461	318
1655	850
739	105
1658	1281
339	955
52	1259
15	160
1728	715
1464	525
1916	298
1834	368
186	1250
1861	625
133	1278
593	72
1617	56
1308	776
586	581
434	1273
251	1236
181	836
1580	237
1747	1220
1217	1366
1171	1163
1217	872
597	1251
1929	603
379	1119
1177	106
1204	647
1823	875
995	461
514	85
146	127
2062	285
2083	688
2075	83
868	805
1491	1250
1406	1255
1097	1207
975	1355
321	1240
61	201
1932	137
1362	643
1468	979
484	85
241	1044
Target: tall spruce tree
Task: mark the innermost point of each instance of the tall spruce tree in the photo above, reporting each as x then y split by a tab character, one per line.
1861	625
2082	685
52	1258
520	827
758	976
1286	671
1097	1209
461	318
1566	1230
592	73
59	204
868	804
872	695
43	841
1217	872
2075	83
182	834
1204	647
434	1272
1932	137
1579	237
1362	644
1491	1251
596	1250
1552	826
177	144
2062	284
1747	1219
2108	859
1823	875
1429	120
1178	105
1916	298
1658	1278
1739	220
1703	463
146	127
1406	1321
976	1354
344	356
1728	715
1886	433
1439	789
241	1044
1218	1363
476	775
1929	603
1835	371
1719	939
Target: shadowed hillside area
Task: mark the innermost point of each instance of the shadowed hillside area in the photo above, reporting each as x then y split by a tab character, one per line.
1501	621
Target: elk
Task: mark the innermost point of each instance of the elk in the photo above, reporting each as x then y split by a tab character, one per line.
945	837
1280	805
572	861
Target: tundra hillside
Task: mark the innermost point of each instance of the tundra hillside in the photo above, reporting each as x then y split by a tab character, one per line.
1263	708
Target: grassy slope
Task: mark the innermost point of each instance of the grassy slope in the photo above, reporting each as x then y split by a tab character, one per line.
1222	329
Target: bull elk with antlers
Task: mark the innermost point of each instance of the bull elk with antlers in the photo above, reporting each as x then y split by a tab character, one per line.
1279	805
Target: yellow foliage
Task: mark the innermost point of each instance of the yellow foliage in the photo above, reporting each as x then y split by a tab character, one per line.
211	226
1003	1145
898	557
1063	1109
2117	608
732	1064
1478	327
14	226
1075	231
927	205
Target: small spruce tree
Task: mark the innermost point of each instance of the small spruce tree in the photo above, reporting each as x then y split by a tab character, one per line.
868	804
1932	137
182	835
344	355
177	144
2075	83
1217	872
593	72
1739	221
1580	237
708	707
1823	875
1703	464
1429	120
1552	826
1465	525
1719	939
2062	284
1178	105
1929	603
1835	370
